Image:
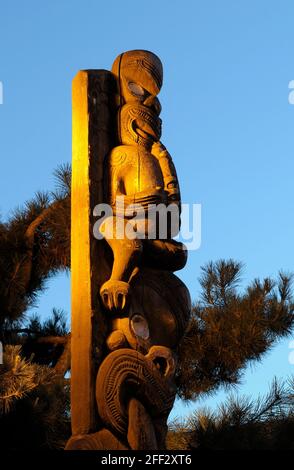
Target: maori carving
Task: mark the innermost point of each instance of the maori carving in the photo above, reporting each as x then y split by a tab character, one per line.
145	306
141	172
126	369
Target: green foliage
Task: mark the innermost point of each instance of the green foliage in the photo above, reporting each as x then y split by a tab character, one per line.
241	424
55	325
34	404
34	245
229	329
19	377
35	338
34	396
178	435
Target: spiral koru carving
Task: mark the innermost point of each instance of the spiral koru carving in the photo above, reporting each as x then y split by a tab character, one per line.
126	373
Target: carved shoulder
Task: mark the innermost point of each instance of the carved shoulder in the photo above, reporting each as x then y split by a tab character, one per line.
120	156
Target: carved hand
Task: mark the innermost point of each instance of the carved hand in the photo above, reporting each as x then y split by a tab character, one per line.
143	198
157	149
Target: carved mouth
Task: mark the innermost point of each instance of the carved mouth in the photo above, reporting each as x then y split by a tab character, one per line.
140	124
146	130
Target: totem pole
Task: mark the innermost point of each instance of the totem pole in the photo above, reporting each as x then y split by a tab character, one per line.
129	311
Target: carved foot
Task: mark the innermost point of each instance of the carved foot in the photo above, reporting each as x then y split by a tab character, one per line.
115	295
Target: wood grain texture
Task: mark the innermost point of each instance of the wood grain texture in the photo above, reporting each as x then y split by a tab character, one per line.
92	92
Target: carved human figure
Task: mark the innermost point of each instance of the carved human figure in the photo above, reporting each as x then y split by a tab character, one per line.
140	173
146	327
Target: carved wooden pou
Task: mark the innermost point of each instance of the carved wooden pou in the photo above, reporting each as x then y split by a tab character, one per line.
129	311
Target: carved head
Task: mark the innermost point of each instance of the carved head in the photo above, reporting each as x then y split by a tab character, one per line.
139	74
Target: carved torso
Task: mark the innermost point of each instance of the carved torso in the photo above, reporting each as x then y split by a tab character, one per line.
133	170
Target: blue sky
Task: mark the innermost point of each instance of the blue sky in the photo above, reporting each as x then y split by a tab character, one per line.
226	119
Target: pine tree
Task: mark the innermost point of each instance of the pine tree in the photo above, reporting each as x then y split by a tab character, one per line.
34	394
227	331
241	423
34	404
34	245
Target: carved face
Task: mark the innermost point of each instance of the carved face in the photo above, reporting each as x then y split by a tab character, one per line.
139	125
140	77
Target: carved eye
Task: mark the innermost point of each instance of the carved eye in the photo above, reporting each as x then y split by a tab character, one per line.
139	326
135	89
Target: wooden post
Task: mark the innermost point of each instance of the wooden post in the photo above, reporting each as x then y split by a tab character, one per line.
93	94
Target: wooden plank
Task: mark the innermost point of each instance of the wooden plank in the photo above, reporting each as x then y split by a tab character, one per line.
93	93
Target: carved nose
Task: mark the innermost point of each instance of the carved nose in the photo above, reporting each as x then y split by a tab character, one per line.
153	102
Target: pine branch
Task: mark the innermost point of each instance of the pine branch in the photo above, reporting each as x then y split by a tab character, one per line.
240	423
63	363
30	238
54	339
19	377
229	329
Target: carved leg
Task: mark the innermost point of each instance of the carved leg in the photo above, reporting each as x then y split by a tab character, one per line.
126	257
141	433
